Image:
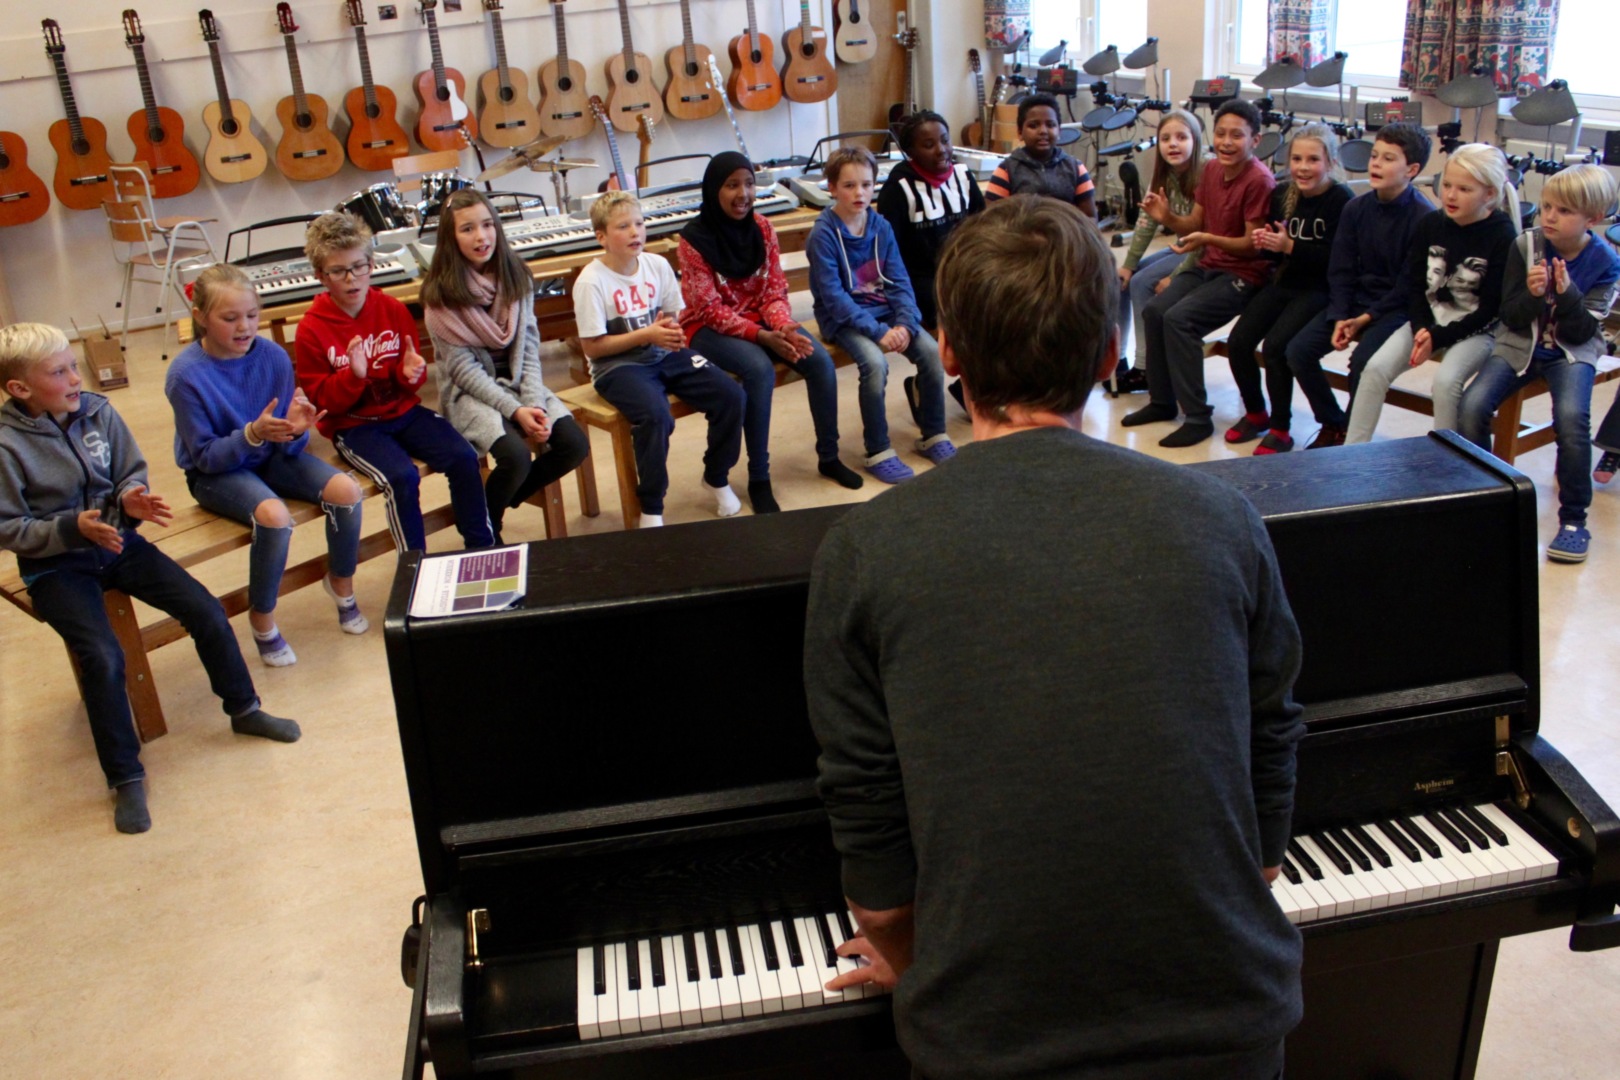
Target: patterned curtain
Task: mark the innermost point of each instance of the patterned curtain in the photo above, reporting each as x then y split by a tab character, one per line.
1296	30
1006	22
1444	38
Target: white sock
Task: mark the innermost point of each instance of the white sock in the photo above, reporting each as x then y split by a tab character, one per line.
650	521
726	502
273	648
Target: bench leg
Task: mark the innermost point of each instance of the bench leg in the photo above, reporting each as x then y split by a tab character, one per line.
1505	428
143	697
624	462
589	502
550	501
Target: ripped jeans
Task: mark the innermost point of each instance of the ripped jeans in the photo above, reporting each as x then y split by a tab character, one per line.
238	493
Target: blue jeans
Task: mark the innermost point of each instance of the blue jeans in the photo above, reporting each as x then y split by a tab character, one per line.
67	590
1457	364
873	364
1311	344
756	367
238	493
1153	268
1194	303
1571	386
639	392
383	451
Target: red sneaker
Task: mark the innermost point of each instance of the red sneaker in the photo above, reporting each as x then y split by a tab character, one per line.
1275	442
1251	426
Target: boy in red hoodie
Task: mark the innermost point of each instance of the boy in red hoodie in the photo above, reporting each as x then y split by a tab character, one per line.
357	359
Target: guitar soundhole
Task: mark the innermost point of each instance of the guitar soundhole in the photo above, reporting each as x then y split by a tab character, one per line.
81	146
442	93
229	128
632	76
5	160
304	121
854	17
507	94
755	56
691	71
565	84
808	49
156	134
373	111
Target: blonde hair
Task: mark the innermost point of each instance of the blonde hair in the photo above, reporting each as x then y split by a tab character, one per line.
607	204
206	289
1330	149
1487	166
336	230
843	158
22	345
1186	181
1588	190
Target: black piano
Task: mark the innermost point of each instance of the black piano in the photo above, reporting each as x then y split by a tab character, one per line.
627	875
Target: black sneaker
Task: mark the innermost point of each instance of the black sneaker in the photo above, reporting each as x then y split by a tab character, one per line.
1131	381
910	386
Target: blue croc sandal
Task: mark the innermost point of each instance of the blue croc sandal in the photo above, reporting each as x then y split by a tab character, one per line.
938	450
1570	544
890	470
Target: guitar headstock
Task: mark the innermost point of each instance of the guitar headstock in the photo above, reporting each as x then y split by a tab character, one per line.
907	39
648	130
715	80
356	11
133	34
53	37
492	5
425	7
973	61
284	18
600	110
210	28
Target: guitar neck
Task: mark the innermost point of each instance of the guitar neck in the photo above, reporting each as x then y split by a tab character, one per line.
804	20
613	150
725	99
433	44
624	33
365	69
59	62
300	99
500	52
226	118
753	30
686	35
562	40
147	96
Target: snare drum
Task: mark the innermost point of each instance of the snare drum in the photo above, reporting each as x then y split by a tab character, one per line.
380	207
437	187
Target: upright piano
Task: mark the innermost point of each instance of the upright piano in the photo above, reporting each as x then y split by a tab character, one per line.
627	871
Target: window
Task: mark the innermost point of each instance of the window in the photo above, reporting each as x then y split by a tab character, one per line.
1583	52
1369	30
1119	22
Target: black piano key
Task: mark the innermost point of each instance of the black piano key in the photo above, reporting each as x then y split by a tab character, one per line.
1398	838
1290	871
1304	859
1331	850
844	924
632	965
767	943
1485	825
1369	845
690	946
795	953
737	967
826	940
599	968
1461	823
1349	847
713	947
1450	834
1419	837
658	974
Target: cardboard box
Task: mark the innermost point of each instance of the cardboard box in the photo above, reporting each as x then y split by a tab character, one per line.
104	366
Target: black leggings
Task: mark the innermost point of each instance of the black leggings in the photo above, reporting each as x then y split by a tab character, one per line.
1274	316
518	473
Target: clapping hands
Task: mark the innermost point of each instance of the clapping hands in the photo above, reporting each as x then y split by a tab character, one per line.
302	414
1272	238
141	505
411	365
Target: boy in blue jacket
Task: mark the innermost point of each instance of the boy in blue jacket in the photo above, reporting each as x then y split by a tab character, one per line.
864	302
72	493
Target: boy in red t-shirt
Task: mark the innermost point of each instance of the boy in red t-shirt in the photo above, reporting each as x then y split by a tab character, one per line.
1232	201
357	360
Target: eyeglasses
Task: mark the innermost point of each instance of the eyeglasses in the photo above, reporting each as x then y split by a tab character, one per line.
349	273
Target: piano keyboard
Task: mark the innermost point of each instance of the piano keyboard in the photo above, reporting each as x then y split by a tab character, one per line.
294	280
540	237
709	976
811	188
1444	852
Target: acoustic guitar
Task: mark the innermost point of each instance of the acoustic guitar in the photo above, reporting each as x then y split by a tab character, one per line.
565	108
619	179
908	41
974	131
808	75
375	137
308	150
689	95
158	133
853	39
234	153
754	83
630	87
23	197
82	181
506	115
446	122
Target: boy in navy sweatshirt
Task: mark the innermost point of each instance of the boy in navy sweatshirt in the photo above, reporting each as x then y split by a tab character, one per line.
72	493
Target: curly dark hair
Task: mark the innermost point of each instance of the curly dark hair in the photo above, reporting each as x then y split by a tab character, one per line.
907	131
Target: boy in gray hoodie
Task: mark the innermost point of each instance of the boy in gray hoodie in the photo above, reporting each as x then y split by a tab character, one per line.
72	494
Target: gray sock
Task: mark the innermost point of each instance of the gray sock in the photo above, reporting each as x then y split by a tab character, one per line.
129	813
260	723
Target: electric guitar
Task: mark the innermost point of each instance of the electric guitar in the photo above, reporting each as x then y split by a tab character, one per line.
853	39
973	133
564	106
506	116
446	123
619	178
908	41
717	82
82	181
158	133
23	197
648	132
689	95
308	150
234	153
630	87
808	75
375	137
754	84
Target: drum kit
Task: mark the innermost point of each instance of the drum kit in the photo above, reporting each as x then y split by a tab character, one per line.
1116	115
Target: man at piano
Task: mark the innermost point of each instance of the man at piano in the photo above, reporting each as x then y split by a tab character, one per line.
1058	736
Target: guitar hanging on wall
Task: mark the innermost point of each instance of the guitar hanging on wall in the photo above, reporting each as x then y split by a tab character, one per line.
506	115
975	130
630	87
23	197
82	181
446	122
689	95
565	107
375	136
234	153
158	133
853	38
808	75
754	84
308	150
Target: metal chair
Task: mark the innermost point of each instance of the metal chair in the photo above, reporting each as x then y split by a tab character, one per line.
141	240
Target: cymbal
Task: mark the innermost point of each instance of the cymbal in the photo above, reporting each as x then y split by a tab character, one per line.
1283	75
515	161
541	146
1104	63
1552	104
1144	55
1472	91
1329	72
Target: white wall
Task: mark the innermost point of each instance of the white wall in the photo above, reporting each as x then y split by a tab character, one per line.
61	266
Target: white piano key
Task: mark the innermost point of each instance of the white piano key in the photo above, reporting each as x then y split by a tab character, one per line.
788	975
585	994
1342	901
1344	884
846	964
1444	871
770	989
607	1005
669	996
1541	863
1327	902
747	979
1474	872
730	997
815	958
647	997
708	986
1510	856
686	989
629	1000
1282	891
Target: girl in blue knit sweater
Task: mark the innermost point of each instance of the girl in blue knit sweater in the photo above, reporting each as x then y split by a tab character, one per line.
241	428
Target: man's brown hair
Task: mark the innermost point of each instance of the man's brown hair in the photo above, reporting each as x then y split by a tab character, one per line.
1028	295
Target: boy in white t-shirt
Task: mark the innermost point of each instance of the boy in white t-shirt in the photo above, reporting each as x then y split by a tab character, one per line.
625	303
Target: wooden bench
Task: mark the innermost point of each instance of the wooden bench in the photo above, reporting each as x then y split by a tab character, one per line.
1511	435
